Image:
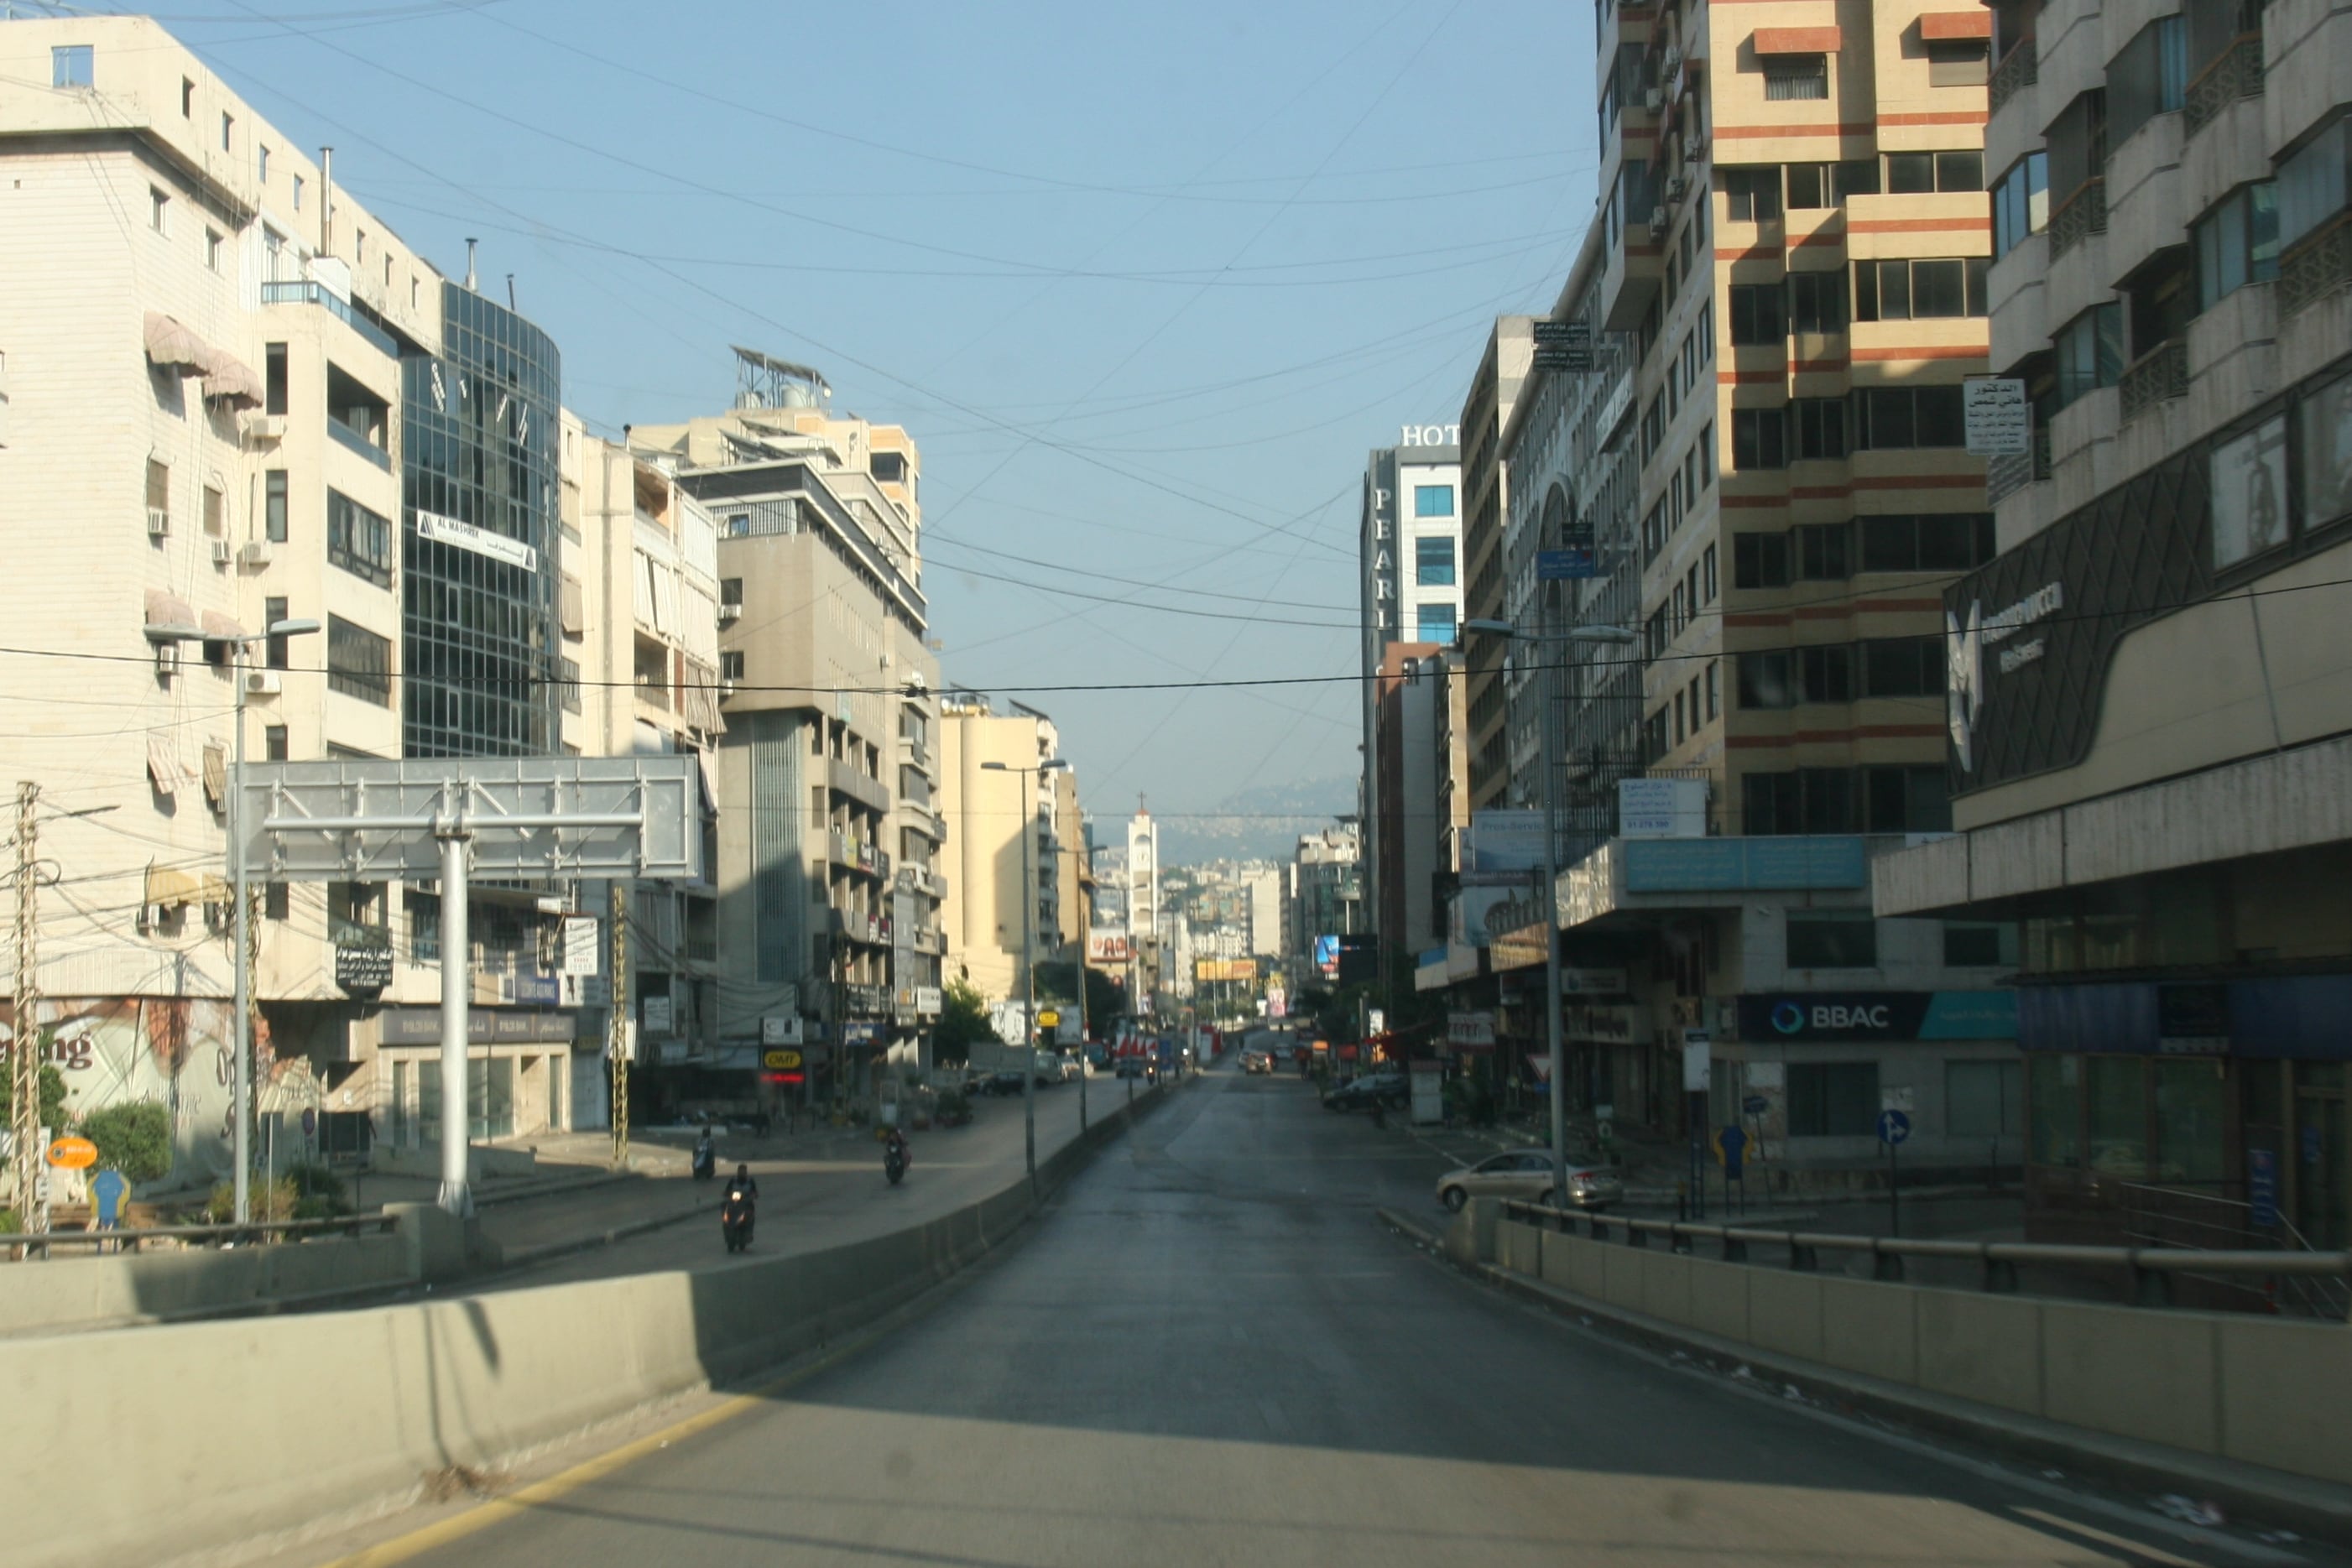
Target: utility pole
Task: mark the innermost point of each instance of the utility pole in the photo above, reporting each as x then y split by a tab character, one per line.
24	1050
616	1025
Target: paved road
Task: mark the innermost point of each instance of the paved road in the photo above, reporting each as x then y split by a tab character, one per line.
1208	1352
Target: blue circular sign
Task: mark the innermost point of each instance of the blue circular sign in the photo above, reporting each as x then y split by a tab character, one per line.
1788	1017
1893	1126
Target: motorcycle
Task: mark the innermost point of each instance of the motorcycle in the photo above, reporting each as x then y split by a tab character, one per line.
735	1216
706	1159
895	1159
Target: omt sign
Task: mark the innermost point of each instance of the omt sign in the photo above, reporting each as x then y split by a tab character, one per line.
73	1153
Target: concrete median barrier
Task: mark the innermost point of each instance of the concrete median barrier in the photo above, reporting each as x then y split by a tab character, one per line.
63	1293
214	1433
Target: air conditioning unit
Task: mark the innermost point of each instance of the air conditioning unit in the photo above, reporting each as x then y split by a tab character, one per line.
159	522
1695	147
150	918
726	690
167	660
257	552
224	552
1657	222
1674	62
1653	99
730	613
259	427
263	683
1675	187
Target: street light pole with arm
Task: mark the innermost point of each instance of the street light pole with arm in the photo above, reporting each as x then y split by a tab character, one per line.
1028	955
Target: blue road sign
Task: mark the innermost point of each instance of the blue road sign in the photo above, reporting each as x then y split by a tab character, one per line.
1755	1105
110	1191
2262	1186
1565	565
1893	1126
1735	1145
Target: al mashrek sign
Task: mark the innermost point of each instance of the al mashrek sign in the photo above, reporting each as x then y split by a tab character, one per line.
1878	1015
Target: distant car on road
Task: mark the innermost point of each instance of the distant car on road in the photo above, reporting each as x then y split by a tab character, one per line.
1128	1067
1526	1175
1257	1062
1008	1081
1388	1090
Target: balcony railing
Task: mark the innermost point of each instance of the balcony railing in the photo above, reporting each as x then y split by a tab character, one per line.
2236	74
353	440
2083	214
301	292
2318	265
2156	376
2020	68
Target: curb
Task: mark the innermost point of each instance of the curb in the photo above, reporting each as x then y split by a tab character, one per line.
2317	1510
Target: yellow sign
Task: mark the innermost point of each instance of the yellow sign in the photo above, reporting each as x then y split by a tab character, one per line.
1049	1018
73	1153
781	1060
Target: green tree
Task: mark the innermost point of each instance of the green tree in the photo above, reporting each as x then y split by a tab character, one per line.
963	1019
134	1138
53	1098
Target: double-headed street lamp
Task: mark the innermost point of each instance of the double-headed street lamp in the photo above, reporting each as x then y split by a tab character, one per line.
1029	951
243	1116
1612	636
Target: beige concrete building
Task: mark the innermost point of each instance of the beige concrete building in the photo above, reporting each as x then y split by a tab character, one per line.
1001	838
1486	503
2149	687
829	883
206	341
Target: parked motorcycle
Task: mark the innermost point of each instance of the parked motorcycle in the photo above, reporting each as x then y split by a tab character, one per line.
735	1214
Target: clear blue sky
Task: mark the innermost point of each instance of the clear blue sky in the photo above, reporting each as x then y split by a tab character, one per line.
1145	281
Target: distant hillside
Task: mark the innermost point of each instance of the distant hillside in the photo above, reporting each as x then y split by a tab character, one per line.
1260	823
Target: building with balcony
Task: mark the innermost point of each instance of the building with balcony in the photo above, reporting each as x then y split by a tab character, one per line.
2148	693
1485	569
824	769
1005	867
1324	897
210	423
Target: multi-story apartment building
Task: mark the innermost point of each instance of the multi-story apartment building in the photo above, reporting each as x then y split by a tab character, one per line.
2149	689
1142	877
638	611
1005	826
1485	504
1326	895
1409	549
1786	286
1409	843
214	428
825	775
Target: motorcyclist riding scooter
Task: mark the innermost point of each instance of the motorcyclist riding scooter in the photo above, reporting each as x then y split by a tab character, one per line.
736	1213
706	1157
895	1156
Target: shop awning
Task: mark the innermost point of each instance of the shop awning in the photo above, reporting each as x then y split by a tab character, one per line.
171	887
220	628
1798	40
228	379
216	775
171	619
164	763
170	344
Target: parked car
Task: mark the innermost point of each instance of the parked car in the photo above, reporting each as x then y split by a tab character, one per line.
1007	1082
1526	1175
1128	1067
1256	1061
1388	1090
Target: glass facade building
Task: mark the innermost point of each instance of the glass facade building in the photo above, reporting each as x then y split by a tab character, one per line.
479	536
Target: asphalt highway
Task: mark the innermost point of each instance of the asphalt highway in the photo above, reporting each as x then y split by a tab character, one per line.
1208	1351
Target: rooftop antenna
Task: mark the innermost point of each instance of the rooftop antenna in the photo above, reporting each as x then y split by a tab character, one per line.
511	298
470	244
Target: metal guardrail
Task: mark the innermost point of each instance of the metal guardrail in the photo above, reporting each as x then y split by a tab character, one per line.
2149	1269
129	1241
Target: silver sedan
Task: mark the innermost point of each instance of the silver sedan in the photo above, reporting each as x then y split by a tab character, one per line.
1526	1175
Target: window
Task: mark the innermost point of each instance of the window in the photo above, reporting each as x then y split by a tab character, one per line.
359	663
730	590
1819	423
1824	550
1903	667
1817	301
730	664
212	249
1809	187
1706	448
2148	79
1942	541
1765	681
159	486
228	130
358	540
1919	291
1906	801
72	64
274	379
1790	77
1984	1099
2090	351
1714	688
1708	586
2311	184
1432	500
1833	1099
273	742
1433	562
1753	193
1958	62
1825	673
1973	945
2237	243
1759	438
188	99
2021	202
158	211
1832	939
1759	560
1856	177
277	901
1892	419
1759	314
273	506
275	650
1434	622
215	510
297	192
1910	174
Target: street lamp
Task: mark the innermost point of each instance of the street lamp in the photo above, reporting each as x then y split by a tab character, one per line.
1029	954
243	1116
1616	636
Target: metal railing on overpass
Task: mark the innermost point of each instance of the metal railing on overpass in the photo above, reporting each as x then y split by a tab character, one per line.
26	1244
2148	1273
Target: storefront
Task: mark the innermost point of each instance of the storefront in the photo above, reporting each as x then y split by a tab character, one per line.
518	1073
2189	1112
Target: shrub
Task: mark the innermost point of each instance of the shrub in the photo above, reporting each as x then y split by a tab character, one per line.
268	1201
134	1138
318	1185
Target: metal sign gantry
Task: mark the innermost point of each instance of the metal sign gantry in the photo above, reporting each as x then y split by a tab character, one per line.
358	820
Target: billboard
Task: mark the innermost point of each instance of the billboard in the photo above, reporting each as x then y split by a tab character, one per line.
1224	969
1327	957
1359	960
1109	948
1502	846
1481	914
